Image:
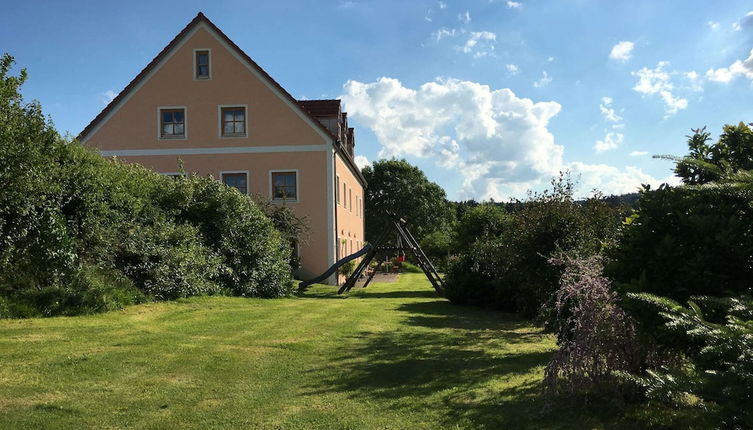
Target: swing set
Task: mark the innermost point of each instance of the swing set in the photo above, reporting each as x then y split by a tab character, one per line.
404	243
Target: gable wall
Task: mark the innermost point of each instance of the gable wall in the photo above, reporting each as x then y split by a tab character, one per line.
270	120
278	137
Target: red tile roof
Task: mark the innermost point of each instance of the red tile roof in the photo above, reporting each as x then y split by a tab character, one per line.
322	108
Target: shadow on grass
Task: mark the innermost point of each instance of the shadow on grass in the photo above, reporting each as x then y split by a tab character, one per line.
321	295
466	366
373	292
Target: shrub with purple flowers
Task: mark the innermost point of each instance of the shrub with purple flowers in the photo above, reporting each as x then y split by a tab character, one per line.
597	339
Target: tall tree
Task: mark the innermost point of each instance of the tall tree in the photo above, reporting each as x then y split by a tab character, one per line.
397	186
706	162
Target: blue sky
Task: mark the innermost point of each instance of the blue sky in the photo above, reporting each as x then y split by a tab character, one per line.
489	98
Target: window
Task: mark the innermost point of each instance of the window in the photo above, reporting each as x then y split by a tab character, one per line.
284	185
337	190
233	121
174	175
172	123
350	199
202	64
237	180
345	202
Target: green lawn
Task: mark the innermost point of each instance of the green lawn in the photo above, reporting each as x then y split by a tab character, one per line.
391	356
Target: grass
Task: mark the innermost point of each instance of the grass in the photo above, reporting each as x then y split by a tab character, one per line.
393	356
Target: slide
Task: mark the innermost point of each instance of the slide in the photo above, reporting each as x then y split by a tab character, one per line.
304	284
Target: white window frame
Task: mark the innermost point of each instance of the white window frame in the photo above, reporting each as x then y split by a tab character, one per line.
219	120
350	199
297	186
195	77
248	178
159	123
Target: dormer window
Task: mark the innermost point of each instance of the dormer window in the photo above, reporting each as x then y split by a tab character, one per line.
201	64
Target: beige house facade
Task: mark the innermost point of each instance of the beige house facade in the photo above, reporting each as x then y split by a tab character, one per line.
203	102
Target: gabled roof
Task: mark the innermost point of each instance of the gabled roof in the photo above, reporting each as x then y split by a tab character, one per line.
199	19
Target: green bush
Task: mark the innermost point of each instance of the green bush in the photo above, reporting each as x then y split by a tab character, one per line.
168	261
479	222
437	247
410	268
715	335
507	267
686	241
232	226
347	268
293	229
81	234
92	289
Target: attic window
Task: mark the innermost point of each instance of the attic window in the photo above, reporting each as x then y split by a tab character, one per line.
202	64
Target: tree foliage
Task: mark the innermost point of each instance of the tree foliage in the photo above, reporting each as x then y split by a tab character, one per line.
399	187
716	336
79	233
732	152
478	223
507	266
684	242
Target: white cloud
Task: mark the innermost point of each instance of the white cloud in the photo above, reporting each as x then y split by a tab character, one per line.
622	51
738	68
346	4
611	180
744	22
497	142
487	136
638	153
442	33
480	43
514	4
550	59
465	17
108	96
608	111
442	5
512	68
657	81
672	103
714	25
544	81
611	141
361	161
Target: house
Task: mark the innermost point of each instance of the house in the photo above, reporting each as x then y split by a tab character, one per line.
203	101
